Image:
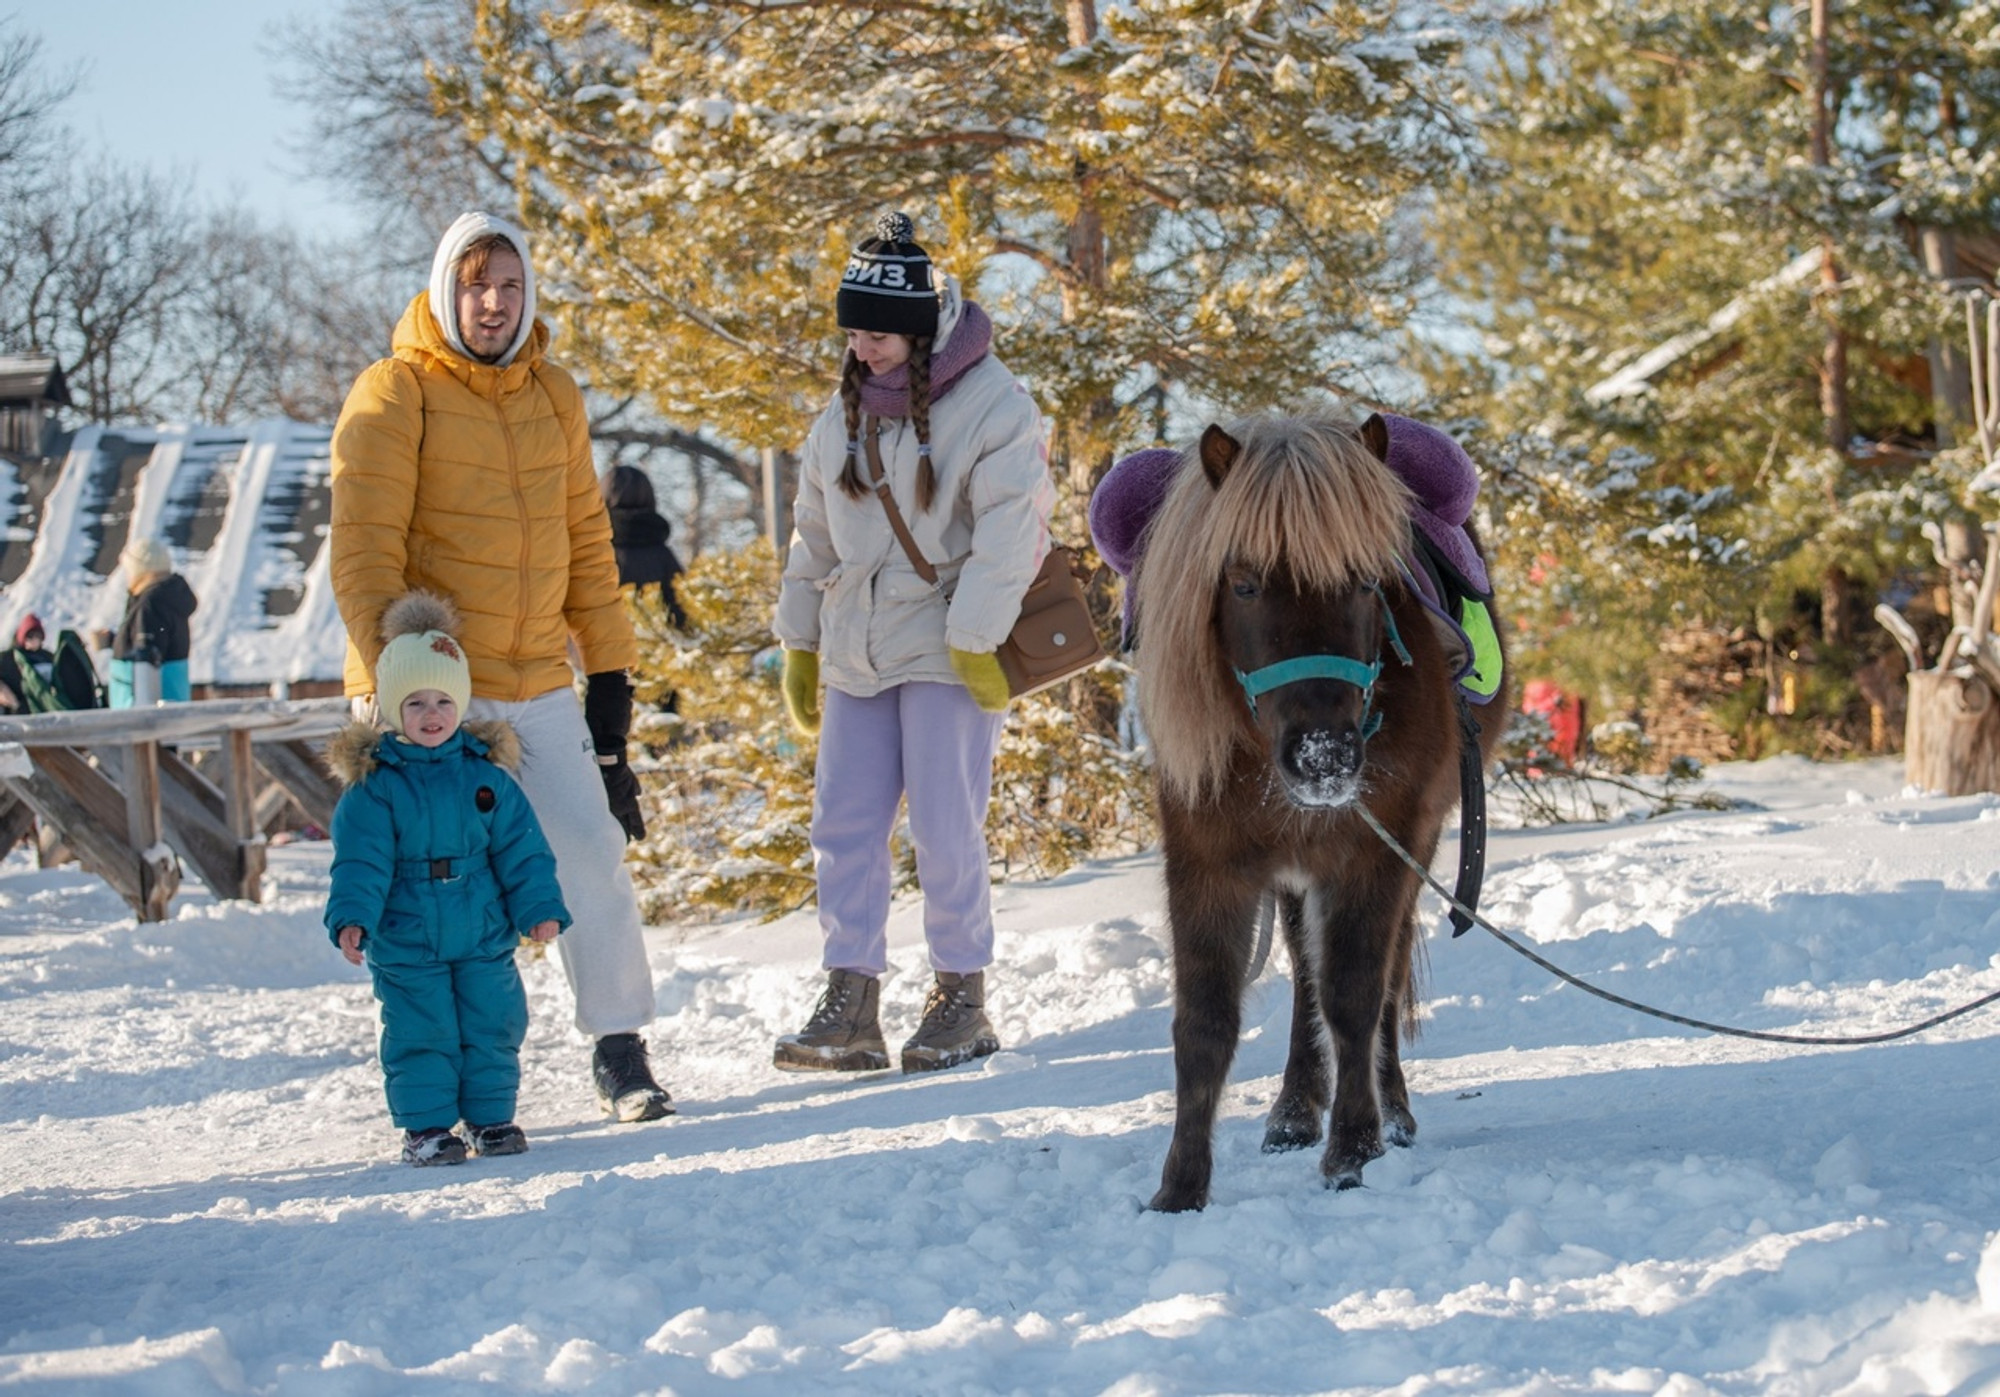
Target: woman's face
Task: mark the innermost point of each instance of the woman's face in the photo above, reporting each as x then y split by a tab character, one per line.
880	353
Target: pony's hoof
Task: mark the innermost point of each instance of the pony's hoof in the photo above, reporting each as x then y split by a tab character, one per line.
1174	1199
1290	1131
1341	1168
1399	1128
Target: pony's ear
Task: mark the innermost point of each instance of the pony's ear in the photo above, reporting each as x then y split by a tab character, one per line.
1219	451
1375	434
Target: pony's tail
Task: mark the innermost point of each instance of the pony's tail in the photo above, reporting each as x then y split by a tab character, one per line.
1413	990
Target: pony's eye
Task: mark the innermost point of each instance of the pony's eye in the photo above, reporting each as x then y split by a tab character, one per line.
1245	585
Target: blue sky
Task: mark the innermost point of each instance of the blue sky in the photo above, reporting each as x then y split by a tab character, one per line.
184	85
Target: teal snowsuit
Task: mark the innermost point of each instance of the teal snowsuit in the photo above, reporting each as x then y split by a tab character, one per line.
438	858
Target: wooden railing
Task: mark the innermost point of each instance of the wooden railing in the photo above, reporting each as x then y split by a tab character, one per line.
116	786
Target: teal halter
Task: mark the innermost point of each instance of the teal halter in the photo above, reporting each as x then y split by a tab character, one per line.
1339	667
1262	681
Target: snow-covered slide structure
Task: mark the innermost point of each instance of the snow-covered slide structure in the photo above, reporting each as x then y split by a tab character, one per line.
245	511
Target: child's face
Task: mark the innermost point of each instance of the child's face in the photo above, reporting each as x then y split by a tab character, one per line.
429	717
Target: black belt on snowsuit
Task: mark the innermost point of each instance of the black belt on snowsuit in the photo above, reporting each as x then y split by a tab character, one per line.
437	870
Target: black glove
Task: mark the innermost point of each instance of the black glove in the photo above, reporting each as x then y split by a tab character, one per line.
607	712
621	791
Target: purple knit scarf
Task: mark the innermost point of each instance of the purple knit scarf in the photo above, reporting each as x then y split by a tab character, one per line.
889	395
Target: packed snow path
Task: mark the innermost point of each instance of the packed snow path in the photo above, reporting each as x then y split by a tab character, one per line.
200	1192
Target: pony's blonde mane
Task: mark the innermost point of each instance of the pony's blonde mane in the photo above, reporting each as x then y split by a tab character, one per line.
1305	494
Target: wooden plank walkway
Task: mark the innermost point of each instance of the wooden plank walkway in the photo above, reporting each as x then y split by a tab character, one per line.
115	785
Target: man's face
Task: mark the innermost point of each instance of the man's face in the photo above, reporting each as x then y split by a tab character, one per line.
490	304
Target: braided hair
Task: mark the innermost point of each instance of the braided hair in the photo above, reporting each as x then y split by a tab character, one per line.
851	481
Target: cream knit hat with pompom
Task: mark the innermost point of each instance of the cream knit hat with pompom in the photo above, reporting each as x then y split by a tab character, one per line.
420	654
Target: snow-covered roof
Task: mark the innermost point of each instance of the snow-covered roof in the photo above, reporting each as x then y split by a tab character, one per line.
32	378
244	510
1636	378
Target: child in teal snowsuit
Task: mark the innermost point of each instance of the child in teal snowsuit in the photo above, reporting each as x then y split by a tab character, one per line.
439	868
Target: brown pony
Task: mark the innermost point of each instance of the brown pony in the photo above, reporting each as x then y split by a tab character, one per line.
1287	677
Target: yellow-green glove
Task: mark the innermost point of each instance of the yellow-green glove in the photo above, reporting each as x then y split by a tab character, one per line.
983	678
801	684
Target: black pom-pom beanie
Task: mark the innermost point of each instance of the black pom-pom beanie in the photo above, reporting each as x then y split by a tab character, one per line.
888	287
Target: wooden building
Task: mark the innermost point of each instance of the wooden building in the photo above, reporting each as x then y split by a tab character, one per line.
31	389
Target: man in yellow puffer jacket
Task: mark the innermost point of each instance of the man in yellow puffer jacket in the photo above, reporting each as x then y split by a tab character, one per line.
462	466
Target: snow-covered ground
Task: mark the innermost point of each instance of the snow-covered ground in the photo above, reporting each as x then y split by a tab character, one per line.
200	1194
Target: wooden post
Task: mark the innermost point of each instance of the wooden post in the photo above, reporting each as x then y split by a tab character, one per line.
296	767
193	815
771	510
79	811
17	822
142	828
1952	737
101	780
239	796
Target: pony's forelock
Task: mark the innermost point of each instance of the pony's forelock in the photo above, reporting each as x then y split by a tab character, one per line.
1304	494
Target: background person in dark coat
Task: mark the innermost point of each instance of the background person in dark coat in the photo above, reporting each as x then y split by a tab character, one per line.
149	654
639	535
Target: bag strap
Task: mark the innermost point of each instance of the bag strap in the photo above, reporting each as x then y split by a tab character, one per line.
879	479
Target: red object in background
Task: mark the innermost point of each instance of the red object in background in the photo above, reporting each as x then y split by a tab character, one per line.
1564	712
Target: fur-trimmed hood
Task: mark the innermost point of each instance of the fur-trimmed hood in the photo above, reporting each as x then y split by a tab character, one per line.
352	753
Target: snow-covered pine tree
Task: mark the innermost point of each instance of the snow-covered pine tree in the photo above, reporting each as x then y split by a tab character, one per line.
1653	174
1166	206
1194	197
727	784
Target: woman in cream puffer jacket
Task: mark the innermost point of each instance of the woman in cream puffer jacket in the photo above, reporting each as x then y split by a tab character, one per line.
852	594
914	697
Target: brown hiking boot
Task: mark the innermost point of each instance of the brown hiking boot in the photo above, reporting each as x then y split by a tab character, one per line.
955	1027
843	1034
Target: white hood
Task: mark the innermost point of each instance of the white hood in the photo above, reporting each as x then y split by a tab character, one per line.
466	230
951	310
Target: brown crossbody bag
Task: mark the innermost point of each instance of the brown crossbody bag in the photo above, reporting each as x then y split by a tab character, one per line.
1054	636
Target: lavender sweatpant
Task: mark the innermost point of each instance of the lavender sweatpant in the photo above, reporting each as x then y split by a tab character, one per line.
932	743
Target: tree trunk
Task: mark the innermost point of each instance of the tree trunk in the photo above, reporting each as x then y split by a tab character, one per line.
1833	360
1836	606
1951	374
1952	736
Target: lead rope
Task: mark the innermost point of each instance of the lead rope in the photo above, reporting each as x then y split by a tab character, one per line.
1461	910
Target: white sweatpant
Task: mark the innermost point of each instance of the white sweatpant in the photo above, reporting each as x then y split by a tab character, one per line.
604	951
933	743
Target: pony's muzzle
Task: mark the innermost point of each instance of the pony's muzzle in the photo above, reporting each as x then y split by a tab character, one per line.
1321	766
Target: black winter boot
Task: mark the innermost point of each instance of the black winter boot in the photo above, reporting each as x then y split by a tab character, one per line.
437	1145
625	1087
504	1138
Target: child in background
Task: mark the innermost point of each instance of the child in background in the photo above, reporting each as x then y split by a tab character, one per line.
439	868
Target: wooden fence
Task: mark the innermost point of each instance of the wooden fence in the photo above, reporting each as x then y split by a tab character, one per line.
123	789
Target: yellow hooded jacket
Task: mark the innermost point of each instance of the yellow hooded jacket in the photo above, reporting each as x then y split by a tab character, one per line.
475	481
